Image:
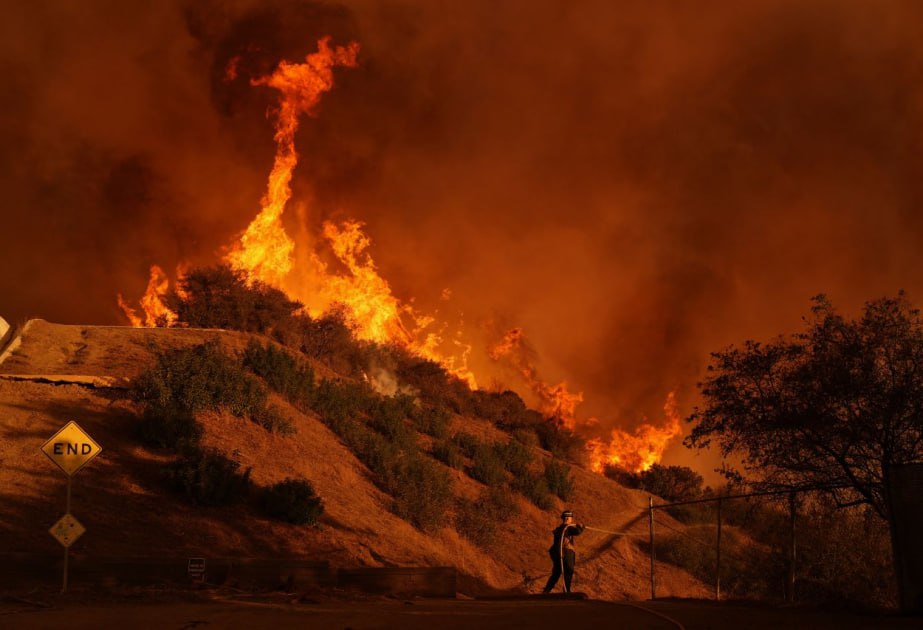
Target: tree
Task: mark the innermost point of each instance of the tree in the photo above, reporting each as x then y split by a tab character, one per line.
835	405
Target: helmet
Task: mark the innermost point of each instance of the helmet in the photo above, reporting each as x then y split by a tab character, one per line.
566	514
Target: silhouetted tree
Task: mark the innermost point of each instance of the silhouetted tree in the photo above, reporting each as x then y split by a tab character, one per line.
834	405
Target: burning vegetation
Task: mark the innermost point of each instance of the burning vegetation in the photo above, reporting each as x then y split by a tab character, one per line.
335	286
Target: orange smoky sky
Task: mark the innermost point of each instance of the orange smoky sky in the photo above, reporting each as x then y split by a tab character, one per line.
632	184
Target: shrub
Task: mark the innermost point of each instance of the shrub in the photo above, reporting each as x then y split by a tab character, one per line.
198	378
292	501
433	382
387	417
526	437
449	454
514	456
622	477
487	467
422	492
206	477
281	371
672	483
505	409
337	401
168	427
432	420
220	297
477	520
560	441
468	444
559	479
534	488
273	420
375	451
330	340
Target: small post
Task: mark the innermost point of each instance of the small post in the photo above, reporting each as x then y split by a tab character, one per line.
66	548
718	556
792	507
651	520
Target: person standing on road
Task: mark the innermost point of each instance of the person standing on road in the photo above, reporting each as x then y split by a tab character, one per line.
562	552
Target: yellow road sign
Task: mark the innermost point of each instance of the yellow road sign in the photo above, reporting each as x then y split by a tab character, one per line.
67	530
71	448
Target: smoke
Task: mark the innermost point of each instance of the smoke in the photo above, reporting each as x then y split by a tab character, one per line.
634	186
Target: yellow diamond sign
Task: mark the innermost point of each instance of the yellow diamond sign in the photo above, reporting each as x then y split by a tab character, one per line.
67	530
71	448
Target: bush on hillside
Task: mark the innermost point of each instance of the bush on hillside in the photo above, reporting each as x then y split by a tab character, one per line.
198	378
206	477
422	492
330	340
468	444
559	479
514	456
169	428
526	437
478	520
292	501
433	382
535	488
273	420
447	452
282	372
432	420
220	297
387	416
487	467
505	409
338	401
560	441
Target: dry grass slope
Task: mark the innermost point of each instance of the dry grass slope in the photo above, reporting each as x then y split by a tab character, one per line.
127	511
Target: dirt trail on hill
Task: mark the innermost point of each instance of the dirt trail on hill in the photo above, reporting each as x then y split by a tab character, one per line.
121	500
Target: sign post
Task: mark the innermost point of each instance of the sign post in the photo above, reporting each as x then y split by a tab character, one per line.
71	448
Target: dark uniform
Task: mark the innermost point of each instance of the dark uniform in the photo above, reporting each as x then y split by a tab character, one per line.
562	554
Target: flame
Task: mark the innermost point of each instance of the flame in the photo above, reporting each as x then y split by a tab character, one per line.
639	451
265	251
556	401
156	312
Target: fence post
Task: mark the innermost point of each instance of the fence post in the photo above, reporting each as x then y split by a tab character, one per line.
718	556
651	521
792	548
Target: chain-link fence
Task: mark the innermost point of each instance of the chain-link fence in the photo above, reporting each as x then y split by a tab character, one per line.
792	546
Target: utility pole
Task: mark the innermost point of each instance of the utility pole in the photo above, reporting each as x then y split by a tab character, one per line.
651	520
718	557
792	508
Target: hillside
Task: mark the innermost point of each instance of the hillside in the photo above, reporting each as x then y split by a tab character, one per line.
56	373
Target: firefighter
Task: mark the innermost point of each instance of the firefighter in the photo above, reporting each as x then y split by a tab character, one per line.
562	551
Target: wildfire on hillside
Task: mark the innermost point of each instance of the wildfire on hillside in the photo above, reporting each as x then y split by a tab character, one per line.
640	450
265	252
